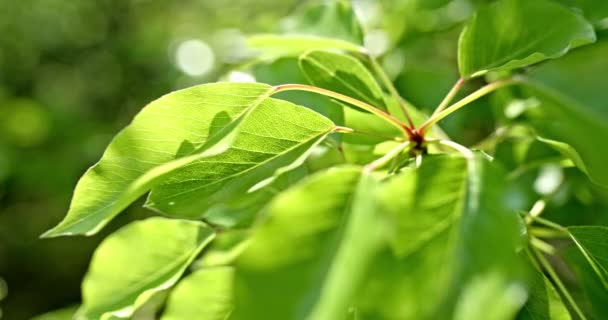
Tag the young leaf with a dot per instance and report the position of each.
(137, 261)
(454, 240)
(328, 231)
(206, 294)
(343, 74)
(510, 34)
(275, 137)
(593, 244)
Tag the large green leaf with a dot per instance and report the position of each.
(206, 294)
(328, 230)
(342, 73)
(510, 34)
(276, 136)
(145, 151)
(592, 241)
(208, 123)
(544, 302)
(454, 240)
(136, 262)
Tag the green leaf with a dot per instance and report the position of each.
(274, 46)
(61, 314)
(544, 301)
(241, 211)
(594, 10)
(592, 241)
(328, 231)
(332, 19)
(197, 119)
(277, 136)
(565, 120)
(454, 239)
(343, 74)
(567, 151)
(193, 127)
(327, 25)
(510, 34)
(206, 294)
(137, 261)
(580, 76)
(593, 290)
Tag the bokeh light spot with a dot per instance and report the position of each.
(194, 57)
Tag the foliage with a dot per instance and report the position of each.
(297, 212)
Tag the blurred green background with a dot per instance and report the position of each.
(72, 73)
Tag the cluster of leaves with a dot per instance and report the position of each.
(284, 211)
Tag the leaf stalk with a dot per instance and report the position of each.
(407, 132)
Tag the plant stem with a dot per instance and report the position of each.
(341, 129)
(367, 107)
(380, 162)
(466, 152)
(553, 275)
(449, 97)
(391, 88)
(465, 101)
(550, 224)
(541, 245)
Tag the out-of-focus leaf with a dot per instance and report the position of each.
(276, 136)
(543, 302)
(275, 46)
(563, 119)
(331, 19)
(567, 151)
(61, 314)
(593, 290)
(579, 75)
(592, 241)
(510, 34)
(594, 10)
(328, 25)
(328, 231)
(241, 212)
(206, 294)
(198, 120)
(448, 213)
(136, 262)
(343, 74)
